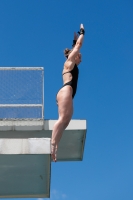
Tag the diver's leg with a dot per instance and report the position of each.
(65, 110)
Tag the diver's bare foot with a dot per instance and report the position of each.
(54, 152)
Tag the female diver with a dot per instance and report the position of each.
(67, 92)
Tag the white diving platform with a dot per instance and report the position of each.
(25, 161)
(71, 146)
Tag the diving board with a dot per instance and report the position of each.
(71, 146)
(25, 161)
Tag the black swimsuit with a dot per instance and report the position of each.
(73, 83)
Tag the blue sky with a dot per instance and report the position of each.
(35, 33)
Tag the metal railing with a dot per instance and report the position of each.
(21, 93)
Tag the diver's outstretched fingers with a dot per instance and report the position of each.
(82, 26)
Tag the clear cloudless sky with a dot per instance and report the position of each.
(35, 33)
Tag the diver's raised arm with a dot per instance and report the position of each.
(78, 44)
